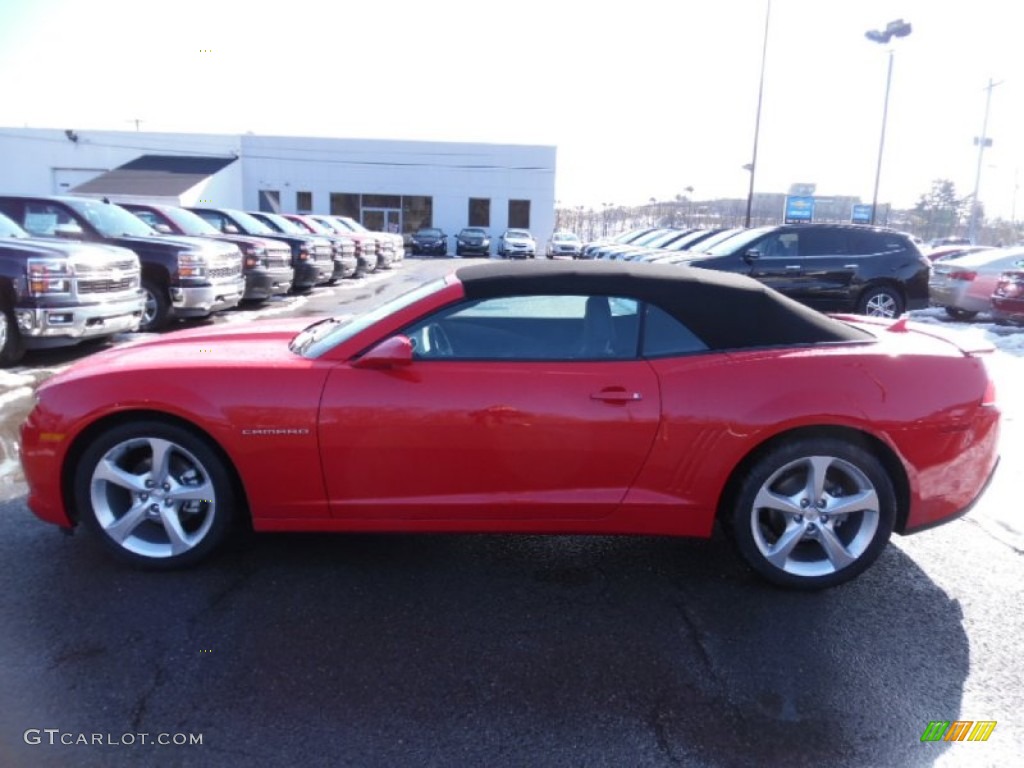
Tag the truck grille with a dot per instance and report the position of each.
(277, 259)
(126, 265)
(107, 286)
(229, 271)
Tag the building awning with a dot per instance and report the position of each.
(155, 176)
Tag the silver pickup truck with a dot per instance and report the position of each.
(56, 294)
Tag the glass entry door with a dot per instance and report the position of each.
(383, 219)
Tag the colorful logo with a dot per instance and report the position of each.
(958, 730)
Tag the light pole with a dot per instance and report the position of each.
(757, 120)
(898, 28)
(984, 141)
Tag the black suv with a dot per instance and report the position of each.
(830, 267)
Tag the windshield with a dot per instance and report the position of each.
(313, 226)
(281, 224)
(352, 224)
(111, 220)
(249, 224)
(471, 232)
(321, 336)
(520, 233)
(188, 222)
(564, 237)
(9, 229)
(737, 242)
(429, 233)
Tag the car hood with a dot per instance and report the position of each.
(235, 345)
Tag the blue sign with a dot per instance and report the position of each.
(861, 214)
(799, 209)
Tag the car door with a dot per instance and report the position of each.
(831, 261)
(778, 263)
(514, 408)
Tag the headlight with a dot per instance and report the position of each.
(254, 255)
(49, 276)
(192, 264)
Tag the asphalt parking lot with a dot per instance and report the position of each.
(444, 650)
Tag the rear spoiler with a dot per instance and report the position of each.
(970, 344)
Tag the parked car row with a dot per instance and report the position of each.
(830, 267)
(73, 268)
(982, 280)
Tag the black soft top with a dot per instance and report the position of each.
(726, 311)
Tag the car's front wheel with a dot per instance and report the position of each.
(156, 313)
(880, 301)
(813, 513)
(12, 346)
(158, 495)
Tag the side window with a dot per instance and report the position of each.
(214, 219)
(149, 217)
(531, 328)
(43, 219)
(785, 245)
(871, 243)
(824, 242)
(665, 336)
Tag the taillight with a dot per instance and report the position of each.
(990, 393)
(963, 274)
(1009, 287)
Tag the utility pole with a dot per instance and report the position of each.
(982, 142)
(757, 120)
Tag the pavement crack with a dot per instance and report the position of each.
(142, 702)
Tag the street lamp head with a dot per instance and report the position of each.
(877, 37)
(898, 28)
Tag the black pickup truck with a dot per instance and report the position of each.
(181, 276)
(58, 294)
(267, 265)
(312, 257)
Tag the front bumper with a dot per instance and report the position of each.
(483, 250)
(202, 300)
(345, 266)
(263, 283)
(49, 327)
(430, 248)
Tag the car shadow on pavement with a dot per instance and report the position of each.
(476, 649)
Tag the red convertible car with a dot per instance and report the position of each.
(565, 397)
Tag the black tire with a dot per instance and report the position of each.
(12, 345)
(960, 314)
(156, 313)
(803, 543)
(458, 253)
(155, 520)
(880, 301)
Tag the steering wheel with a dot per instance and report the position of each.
(438, 340)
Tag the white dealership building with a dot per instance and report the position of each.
(396, 186)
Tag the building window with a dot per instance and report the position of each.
(382, 201)
(479, 212)
(270, 201)
(304, 202)
(345, 204)
(519, 214)
(417, 213)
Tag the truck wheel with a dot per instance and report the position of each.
(12, 346)
(157, 312)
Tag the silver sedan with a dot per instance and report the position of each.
(964, 285)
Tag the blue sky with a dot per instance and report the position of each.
(642, 99)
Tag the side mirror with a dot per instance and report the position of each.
(163, 229)
(230, 229)
(68, 231)
(393, 352)
(752, 254)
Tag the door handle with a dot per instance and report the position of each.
(616, 396)
(850, 266)
(793, 267)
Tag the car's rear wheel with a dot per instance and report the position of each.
(12, 346)
(814, 513)
(158, 495)
(960, 314)
(156, 313)
(880, 301)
